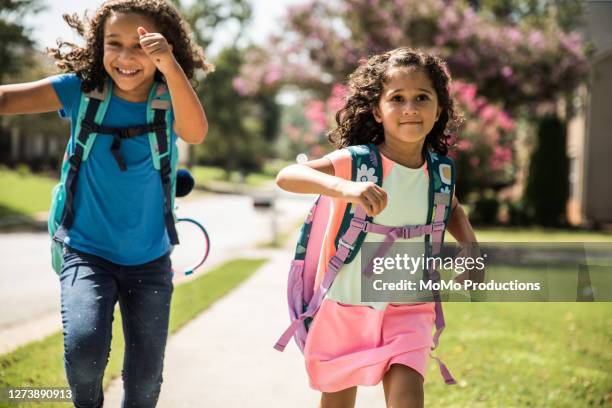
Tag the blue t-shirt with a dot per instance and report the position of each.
(119, 215)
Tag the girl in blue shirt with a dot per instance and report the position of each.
(117, 248)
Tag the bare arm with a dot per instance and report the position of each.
(313, 177)
(29, 97)
(459, 225)
(190, 122)
(460, 228)
(318, 177)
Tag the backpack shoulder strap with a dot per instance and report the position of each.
(165, 158)
(159, 110)
(92, 108)
(366, 166)
(442, 177)
(99, 101)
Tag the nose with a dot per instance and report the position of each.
(410, 108)
(126, 53)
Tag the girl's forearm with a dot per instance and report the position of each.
(459, 226)
(190, 120)
(299, 178)
(31, 97)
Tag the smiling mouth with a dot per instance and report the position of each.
(127, 72)
(411, 123)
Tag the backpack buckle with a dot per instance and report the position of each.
(412, 231)
(427, 229)
(438, 226)
(335, 263)
(359, 223)
(345, 244)
(75, 162)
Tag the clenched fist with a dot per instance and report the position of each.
(157, 49)
(367, 194)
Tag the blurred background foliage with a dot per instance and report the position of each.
(512, 61)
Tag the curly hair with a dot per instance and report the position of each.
(86, 62)
(355, 121)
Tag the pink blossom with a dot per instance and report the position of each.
(505, 122)
(487, 113)
(464, 145)
(337, 99)
(502, 155)
(315, 113)
(273, 75)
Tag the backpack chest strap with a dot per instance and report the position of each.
(403, 232)
(122, 133)
(436, 230)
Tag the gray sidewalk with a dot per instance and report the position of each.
(224, 357)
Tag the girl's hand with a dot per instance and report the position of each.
(367, 194)
(470, 250)
(157, 49)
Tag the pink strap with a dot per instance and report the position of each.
(405, 232)
(335, 263)
(435, 276)
(448, 377)
(437, 233)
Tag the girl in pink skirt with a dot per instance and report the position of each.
(400, 102)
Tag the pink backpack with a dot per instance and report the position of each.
(304, 299)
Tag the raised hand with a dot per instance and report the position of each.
(157, 49)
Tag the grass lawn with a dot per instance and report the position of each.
(24, 193)
(40, 363)
(538, 234)
(524, 355)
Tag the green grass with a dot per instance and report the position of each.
(524, 355)
(24, 193)
(538, 234)
(40, 364)
(206, 174)
(502, 354)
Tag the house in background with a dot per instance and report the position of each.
(590, 131)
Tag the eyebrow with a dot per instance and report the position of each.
(420, 89)
(111, 35)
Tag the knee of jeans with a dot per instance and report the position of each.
(142, 392)
(85, 354)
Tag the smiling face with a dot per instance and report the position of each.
(408, 106)
(124, 60)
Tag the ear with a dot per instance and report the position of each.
(377, 115)
(438, 114)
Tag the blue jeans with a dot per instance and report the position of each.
(91, 286)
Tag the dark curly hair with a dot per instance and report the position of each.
(86, 61)
(356, 123)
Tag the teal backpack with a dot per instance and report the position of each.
(92, 108)
(304, 299)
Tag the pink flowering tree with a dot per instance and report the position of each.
(502, 71)
(510, 64)
(485, 142)
(307, 124)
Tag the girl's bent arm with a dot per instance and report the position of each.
(318, 177)
(29, 97)
(459, 225)
(314, 177)
(190, 120)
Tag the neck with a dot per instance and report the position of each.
(139, 94)
(408, 154)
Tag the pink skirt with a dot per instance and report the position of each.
(356, 345)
